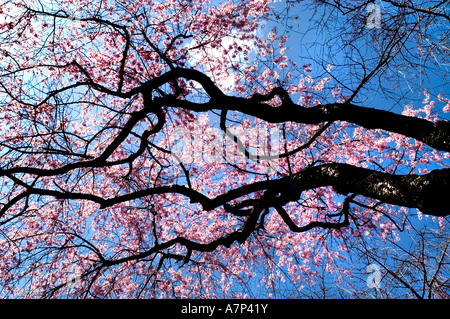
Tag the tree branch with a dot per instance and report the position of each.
(436, 135)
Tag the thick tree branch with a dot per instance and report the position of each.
(427, 192)
(436, 135)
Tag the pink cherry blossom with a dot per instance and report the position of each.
(159, 149)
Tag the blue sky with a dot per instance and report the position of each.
(305, 47)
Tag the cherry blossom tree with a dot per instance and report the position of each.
(156, 149)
